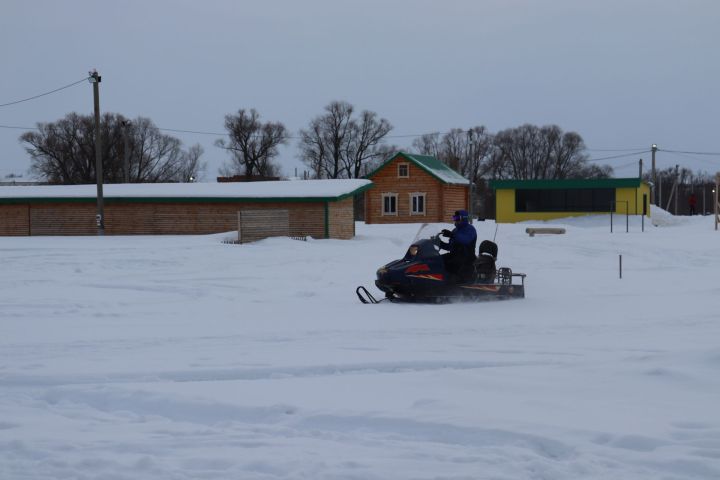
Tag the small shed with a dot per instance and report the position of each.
(315, 208)
(410, 188)
(521, 200)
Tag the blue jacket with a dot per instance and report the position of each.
(462, 243)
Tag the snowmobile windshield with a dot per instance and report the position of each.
(425, 231)
(422, 250)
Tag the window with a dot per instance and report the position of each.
(403, 170)
(570, 200)
(417, 204)
(389, 204)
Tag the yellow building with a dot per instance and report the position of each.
(521, 200)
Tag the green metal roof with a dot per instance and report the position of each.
(431, 165)
(565, 184)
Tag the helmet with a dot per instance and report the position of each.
(460, 215)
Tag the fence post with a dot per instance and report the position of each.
(627, 216)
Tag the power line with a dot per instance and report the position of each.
(684, 155)
(42, 94)
(625, 165)
(293, 137)
(691, 153)
(618, 156)
(18, 128)
(191, 131)
(612, 149)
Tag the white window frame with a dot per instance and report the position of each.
(412, 209)
(382, 206)
(407, 167)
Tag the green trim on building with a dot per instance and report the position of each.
(353, 193)
(428, 163)
(565, 184)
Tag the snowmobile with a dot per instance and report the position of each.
(420, 276)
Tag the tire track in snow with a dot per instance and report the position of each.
(270, 373)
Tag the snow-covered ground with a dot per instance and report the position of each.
(186, 358)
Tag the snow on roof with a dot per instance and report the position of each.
(321, 189)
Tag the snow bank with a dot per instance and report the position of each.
(183, 358)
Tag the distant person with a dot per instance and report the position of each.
(460, 246)
(692, 202)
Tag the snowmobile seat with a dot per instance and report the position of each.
(485, 269)
(488, 248)
(485, 262)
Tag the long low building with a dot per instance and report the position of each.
(522, 200)
(315, 208)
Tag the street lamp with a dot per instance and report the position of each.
(654, 176)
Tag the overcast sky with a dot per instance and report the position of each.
(622, 73)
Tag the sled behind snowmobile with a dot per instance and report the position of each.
(420, 276)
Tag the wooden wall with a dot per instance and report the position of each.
(177, 218)
(455, 197)
(441, 200)
(342, 219)
(14, 220)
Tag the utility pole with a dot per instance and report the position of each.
(715, 200)
(472, 180)
(640, 172)
(677, 187)
(95, 79)
(126, 151)
(654, 175)
(673, 191)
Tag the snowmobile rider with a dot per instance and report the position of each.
(461, 248)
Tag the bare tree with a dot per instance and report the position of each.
(465, 151)
(323, 144)
(480, 146)
(192, 168)
(530, 152)
(252, 144)
(382, 153)
(428, 144)
(365, 142)
(64, 151)
(337, 145)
